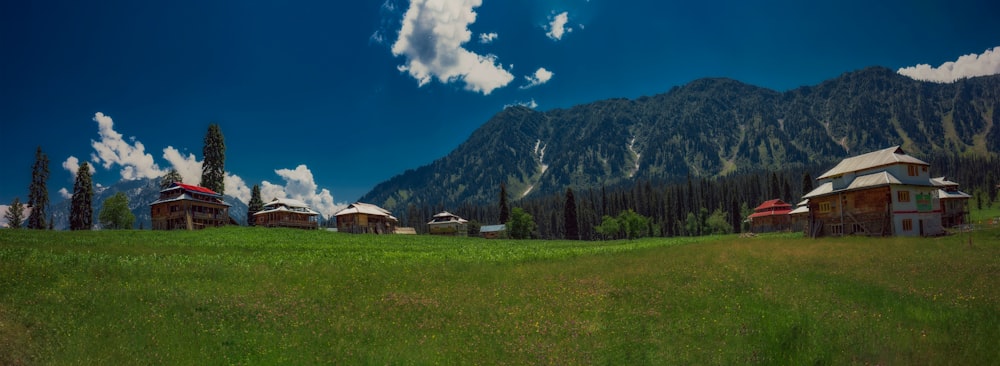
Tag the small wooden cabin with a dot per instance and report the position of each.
(493, 231)
(286, 212)
(188, 207)
(359, 218)
(771, 216)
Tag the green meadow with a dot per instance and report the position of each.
(276, 296)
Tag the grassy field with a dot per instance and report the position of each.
(259, 296)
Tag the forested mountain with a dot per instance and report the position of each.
(708, 128)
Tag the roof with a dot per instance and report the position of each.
(492, 228)
(823, 189)
(892, 155)
(364, 208)
(783, 211)
(800, 210)
(194, 188)
(943, 194)
(772, 204)
(446, 217)
(941, 182)
(873, 180)
(287, 202)
(187, 197)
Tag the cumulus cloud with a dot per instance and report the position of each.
(188, 166)
(541, 76)
(557, 26)
(971, 65)
(65, 193)
(431, 39)
(487, 38)
(300, 185)
(530, 104)
(131, 155)
(72, 164)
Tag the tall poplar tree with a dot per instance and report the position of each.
(569, 215)
(38, 193)
(213, 170)
(255, 205)
(81, 211)
(504, 207)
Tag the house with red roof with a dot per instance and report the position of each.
(771, 216)
(188, 207)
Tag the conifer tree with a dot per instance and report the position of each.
(172, 176)
(38, 194)
(213, 170)
(14, 214)
(81, 213)
(504, 207)
(807, 183)
(255, 205)
(569, 215)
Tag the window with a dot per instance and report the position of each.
(908, 225)
(824, 207)
(903, 196)
(912, 170)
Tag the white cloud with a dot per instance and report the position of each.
(971, 65)
(557, 26)
(299, 185)
(188, 166)
(431, 39)
(487, 38)
(530, 104)
(65, 193)
(72, 164)
(112, 150)
(541, 76)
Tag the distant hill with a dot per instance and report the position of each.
(707, 128)
(140, 194)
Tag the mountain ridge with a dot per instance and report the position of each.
(708, 127)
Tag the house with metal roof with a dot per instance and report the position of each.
(493, 231)
(360, 218)
(287, 212)
(954, 203)
(885, 192)
(770, 216)
(188, 207)
(447, 223)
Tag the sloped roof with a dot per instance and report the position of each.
(942, 182)
(287, 202)
(492, 228)
(943, 194)
(772, 204)
(873, 180)
(365, 208)
(892, 155)
(194, 188)
(823, 189)
(800, 210)
(446, 217)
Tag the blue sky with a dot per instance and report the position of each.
(321, 100)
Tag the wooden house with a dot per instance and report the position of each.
(286, 212)
(885, 192)
(188, 207)
(446, 223)
(360, 218)
(954, 203)
(493, 231)
(771, 216)
(800, 216)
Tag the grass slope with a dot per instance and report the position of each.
(259, 296)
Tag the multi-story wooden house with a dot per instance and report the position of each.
(770, 216)
(885, 192)
(446, 223)
(188, 207)
(954, 203)
(360, 218)
(286, 212)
